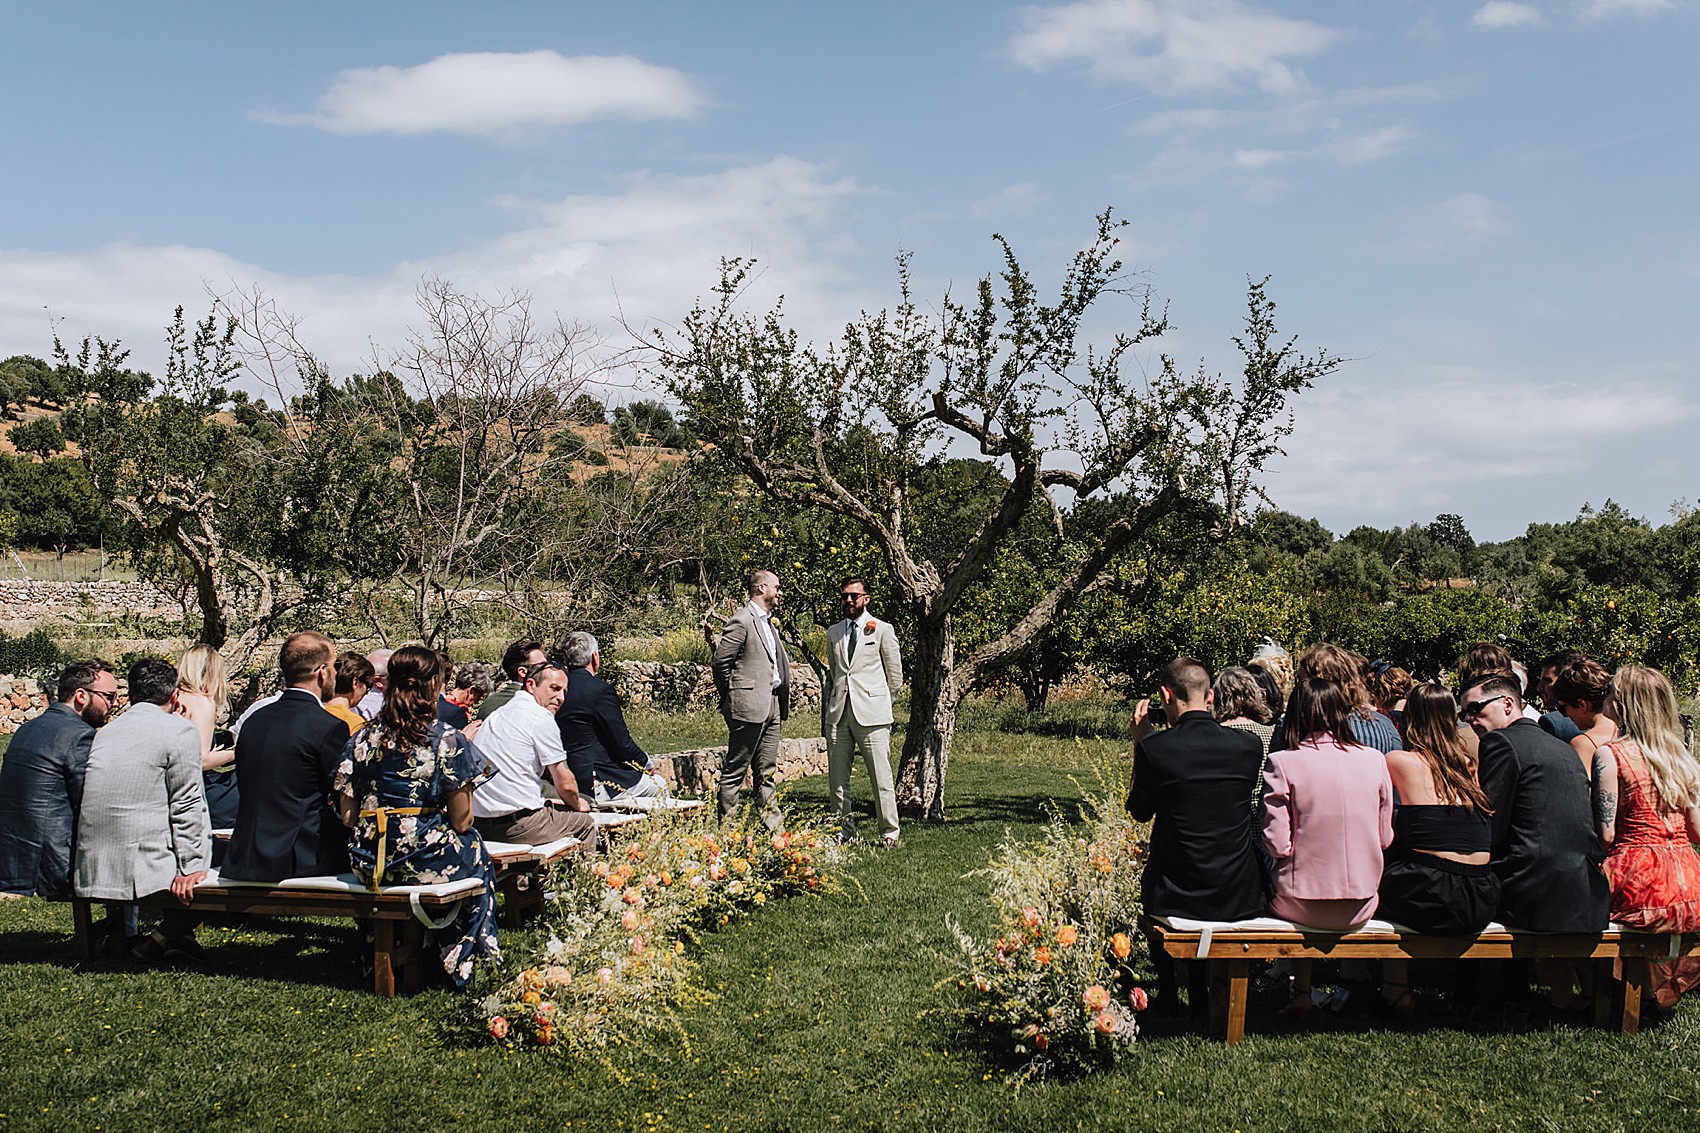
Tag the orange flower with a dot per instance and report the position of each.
(1067, 935)
(1120, 945)
(1096, 997)
(1106, 1023)
(1041, 955)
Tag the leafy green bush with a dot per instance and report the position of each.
(33, 655)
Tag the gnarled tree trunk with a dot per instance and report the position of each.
(934, 697)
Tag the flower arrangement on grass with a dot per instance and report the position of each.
(617, 963)
(1056, 979)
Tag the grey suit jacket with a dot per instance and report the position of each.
(867, 679)
(743, 667)
(144, 818)
(41, 787)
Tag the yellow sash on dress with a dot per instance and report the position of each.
(382, 814)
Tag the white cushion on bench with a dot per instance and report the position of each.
(348, 883)
(607, 818)
(644, 806)
(545, 849)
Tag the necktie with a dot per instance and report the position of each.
(851, 650)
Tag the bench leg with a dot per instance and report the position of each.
(1604, 985)
(82, 917)
(1239, 993)
(1635, 973)
(383, 957)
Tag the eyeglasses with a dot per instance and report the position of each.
(111, 698)
(1476, 708)
(847, 595)
(533, 672)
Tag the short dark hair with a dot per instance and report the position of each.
(353, 668)
(152, 681)
(1318, 705)
(1493, 684)
(516, 654)
(1485, 657)
(80, 674)
(477, 676)
(1188, 678)
(858, 580)
(303, 652)
(1560, 659)
(1582, 682)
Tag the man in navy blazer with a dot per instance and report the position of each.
(285, 757)
(41, 782)
(593, 729)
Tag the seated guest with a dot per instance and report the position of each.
(523, 744)
(1437, 877)
(1193, 782)
(1349, 671)
(1553, 719)
(405, 787)
(203, 695)
(473, 681)
(1647, 805)
(519, 658)
(1238, 703)
(354, 677)
(1327, 816)
(1580, 690)
(369, 705)
(1276, 700)
(1545, 848)
(143, 827)
(593, 730)
(41, 783)
(286, 756)
(1388, 686)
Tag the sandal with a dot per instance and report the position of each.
(1399, 1004)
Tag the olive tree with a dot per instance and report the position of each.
(1008, 378)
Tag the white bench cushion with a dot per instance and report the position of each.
(348, 883)
(545, 850)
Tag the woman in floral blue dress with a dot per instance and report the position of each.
(406, 785)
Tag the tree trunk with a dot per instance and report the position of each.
(933, 701)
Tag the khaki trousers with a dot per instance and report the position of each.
(843, 737)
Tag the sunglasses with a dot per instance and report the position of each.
(847, 596)
(1476, 708)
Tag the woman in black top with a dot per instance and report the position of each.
(1437, 878)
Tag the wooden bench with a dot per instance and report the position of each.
(398, 915)
(520, 876)
(1229, 949)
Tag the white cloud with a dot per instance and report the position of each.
(1468, 218)
(1009, 200)
(496, 92)
(647, 252)
(1172, 46)
(1604, 9)
(1497, 14)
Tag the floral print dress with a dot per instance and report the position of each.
(377, 771)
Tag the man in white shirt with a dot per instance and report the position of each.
(523, 742)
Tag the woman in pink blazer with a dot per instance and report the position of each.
(1327, 816)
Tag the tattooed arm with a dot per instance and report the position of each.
(1605, 794)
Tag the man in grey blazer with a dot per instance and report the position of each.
(143, 826)
(41, 783)
(753, 679)
(864, 673)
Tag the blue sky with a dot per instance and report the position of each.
(1489, 207)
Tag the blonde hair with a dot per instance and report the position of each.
(1277, 665)
(1645, 705)
(201, 670)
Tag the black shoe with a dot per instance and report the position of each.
(186, 950)
(149, 949)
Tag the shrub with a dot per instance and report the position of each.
(32, 655)
(1056, 983)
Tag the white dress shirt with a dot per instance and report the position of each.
(766, 624)
(522, 740)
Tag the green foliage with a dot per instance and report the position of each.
(35, 654)
(39, 437)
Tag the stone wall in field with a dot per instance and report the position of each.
(38, 600)
(687, 685)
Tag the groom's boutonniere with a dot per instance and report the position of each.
(868, 628)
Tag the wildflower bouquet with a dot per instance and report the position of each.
(1057, 978)
(616, 965)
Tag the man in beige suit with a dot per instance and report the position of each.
(864, 672)
(754, 681)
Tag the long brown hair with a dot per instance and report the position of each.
(1431, 732)
(1318, 705)
(1341, 667)
(410, 704)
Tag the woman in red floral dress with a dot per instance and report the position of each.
(1647, 804)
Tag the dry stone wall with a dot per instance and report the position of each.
(688, 686)
(38, 600)
(698, 770)
(26, 698)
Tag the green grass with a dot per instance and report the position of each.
(829, 1014)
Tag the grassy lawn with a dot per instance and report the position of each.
(829, 1014)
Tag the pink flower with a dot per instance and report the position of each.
(1030, 917)
(499, 1027)
(1138, 999)
(605, 976)
(629, 920)
(637, 946)
(633, 897)
(1106, 1023)
(696, 881)
(1096, 997)
(600, 869)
